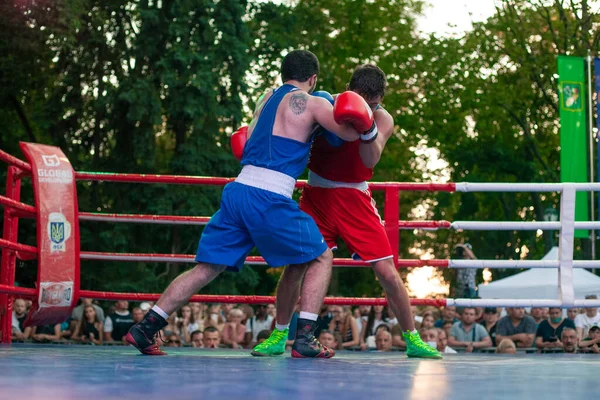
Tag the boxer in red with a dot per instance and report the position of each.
(339, 200)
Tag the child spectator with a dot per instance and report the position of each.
(506, 346)
(585, 321)
(328, 339)
(591, 343)
(262, 335)
(19, 332)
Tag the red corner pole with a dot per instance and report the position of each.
(391, 214)
(9, 257)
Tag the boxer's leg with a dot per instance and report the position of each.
(186, 285)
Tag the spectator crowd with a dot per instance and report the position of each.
(363, 328)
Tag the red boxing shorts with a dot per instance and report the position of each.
(350, 214)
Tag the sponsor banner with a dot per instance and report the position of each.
(573, 132)
(55, 294)
(57, 234)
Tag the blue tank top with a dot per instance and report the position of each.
(277, 153)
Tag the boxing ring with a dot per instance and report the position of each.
(33, 371)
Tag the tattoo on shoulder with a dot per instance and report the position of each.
(298, 103)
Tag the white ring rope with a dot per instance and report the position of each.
(524, 187)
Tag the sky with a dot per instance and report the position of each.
(441, 13)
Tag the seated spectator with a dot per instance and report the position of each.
(172, 327)
(569, 340)
(506, 346)
(585, 321)
(383, 340)
(468, 334)
(137, 314)
(572, 313)
(198, 311)
(77, 313)
(448, 315)
(187, 323)
(344, 323)
(89, 328)
(196, 338)
(328, 339)
(377, 316)
(428, 321)
(397, 338)
(549, 331)
(215, 318)
(259, 322)
(392, 320)
(447, 327)
(19, 314)
(45, 333)
(361, 320)
(117, 324)
(442, 342)
(325, 317)
(145, 306)
(429, 336)
(490, 318)
(211, 338)
(591, 343)
(262, 335)
(234, 332)
(539, 314)
(516, 326)
(173, 340)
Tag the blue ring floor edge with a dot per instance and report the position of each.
(89, 372)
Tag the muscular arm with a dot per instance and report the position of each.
(322, 112)
(370, 153)
(259, 105)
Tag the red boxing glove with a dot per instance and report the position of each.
(352, 108)
(238, 141)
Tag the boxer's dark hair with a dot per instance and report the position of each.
(299, 65)
(369, 81)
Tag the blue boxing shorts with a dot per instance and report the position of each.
(251, 217)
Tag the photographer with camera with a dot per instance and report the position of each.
(550, 330)
(465, 277)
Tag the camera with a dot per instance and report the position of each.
(460, 251)
(553, 339)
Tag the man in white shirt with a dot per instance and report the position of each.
(260, 321)
(583, 322)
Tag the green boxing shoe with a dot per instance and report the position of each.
(273, 346)
(415, 347)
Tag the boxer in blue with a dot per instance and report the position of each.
(257, 210)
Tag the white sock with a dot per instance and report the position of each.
(281, 327)
(160, 312)
(308, 315)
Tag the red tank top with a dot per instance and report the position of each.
(340, 164)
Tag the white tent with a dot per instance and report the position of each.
(540, 283)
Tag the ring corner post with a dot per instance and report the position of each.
(9, 257)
